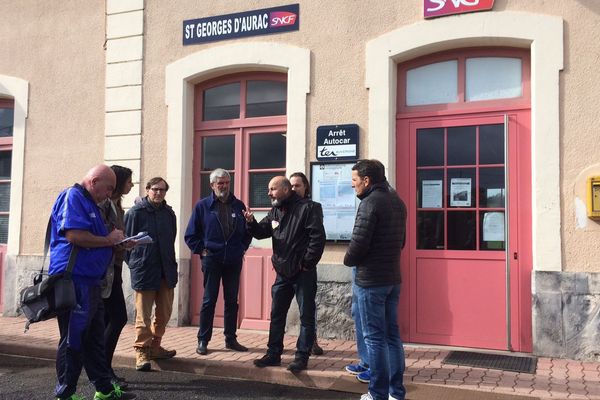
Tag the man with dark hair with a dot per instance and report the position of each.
(377, 240)
(153, 271)
(76, 223)
(295, 226)
(217, 232)
(300, 185)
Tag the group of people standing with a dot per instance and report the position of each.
(89, 216)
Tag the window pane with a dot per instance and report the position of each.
(492, 234)
(266, 98)
(493, 78)
(491, 144)
(218, 152)
(259, 182)
(461, 230)
(205, 188)
(432, 84)
(461, 187)
(430, 184)
(491, 187)
(222, 102)
(430, 230)
(5, 164)
(4, 229)
(6, 122)
(4, 196)
(461, 145)
(267, 150)
(430, 147)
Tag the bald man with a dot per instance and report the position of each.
(77, 224)
(295, 225)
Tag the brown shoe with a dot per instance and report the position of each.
(142, 361)
(160, 353)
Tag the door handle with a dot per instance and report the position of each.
(515, 256)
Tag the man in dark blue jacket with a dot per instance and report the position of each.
(217, 232)
(153, 271)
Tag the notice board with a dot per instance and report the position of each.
(331, 185)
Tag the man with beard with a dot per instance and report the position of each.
(217, 232)
(295, 225)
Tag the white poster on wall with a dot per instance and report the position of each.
(460, 192)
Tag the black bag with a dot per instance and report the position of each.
(50, 295)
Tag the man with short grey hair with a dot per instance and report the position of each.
(217, 232)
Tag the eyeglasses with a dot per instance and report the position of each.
(158, 190)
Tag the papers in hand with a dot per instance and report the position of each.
(140, 238)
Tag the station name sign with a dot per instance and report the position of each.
(438, 8)
(249, 23)
(337, 142)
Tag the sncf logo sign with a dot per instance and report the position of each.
(436, 8)
(281, 18)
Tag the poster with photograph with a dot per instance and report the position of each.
(460, 192)
(432, 194)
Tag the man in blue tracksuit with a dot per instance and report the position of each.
(76, 221)
(217, 232)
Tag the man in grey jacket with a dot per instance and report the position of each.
(377, 240)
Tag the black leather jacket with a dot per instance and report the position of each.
(296, 228)
(378, 237)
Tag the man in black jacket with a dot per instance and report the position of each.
(295, 225)
(377, 239)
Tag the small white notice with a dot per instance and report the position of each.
(460, 192)
(432, 194)
(493, 226)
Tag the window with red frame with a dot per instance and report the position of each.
(241, 127)
(6, 133)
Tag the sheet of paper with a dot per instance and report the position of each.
(432, 194)
(493, 226)
(460, 192)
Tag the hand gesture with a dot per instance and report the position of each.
(249, 215)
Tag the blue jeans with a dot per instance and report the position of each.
(361, 347)
(215, 273)
(378, 307)
(304, 286)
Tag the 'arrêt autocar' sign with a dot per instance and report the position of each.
(437, 8)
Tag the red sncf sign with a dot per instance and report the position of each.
(436, 8)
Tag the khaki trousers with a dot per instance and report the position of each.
(147, 332)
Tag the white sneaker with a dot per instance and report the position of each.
(366, 396)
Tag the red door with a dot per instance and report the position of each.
(459, 288)
(240, 125)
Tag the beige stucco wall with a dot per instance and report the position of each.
(65, 71)
(58, 49)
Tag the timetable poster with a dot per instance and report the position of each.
(332, 187)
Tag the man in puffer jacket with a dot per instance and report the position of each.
(153, 271)
(377, 240)
(295, 225)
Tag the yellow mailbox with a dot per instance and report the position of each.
(593, 197)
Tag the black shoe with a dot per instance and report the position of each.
(268, 360)
(202, 348)
(298, 365)
(316, 349)
(234, 345)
